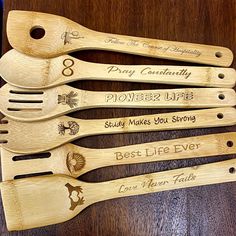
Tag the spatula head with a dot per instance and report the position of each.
(41, 104)
(40, 201)
(25, 71)
(39, 136)
(21, 26)
(68, 159)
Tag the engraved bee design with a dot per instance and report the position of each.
(72, 126)
(68, 35)
(75, 162)
(77, 190)
(68, 99)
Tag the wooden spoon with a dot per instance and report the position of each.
(34, 73)
(61, 35)
(35, 105)
(46, 200)
(25, 137)
(74, 161)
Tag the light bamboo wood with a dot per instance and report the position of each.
(35, 105)
(40, 201)
(25, 137)
(63, 35)
(74, 161)
(34, 73)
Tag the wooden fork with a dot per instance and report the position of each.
(74, 161)
(25, 137)
(36, 105)
(61, 35)
(35, 73)
(45, 200)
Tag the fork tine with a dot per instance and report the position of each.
(3, 136)
(26, 106)
(4, 121)
(3, 130)
(26, 97)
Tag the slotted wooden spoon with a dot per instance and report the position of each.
(74, 161)
(35, 105)
(25, 137)
(45, 200)
(62, 35)
(35, 73)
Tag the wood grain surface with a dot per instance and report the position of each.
(208, 210)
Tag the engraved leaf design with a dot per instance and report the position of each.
(61, 128)
(74, 127)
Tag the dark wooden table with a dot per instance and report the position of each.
(208, 210)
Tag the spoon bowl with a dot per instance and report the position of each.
(61, 36)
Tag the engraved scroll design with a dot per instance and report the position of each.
(74, 192)
(68, 35)
(73, 128)
(75, 162)
(68, 99)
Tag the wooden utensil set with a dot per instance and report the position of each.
(35, 136)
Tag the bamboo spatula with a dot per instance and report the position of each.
(25, 137)
(45, 200)
(74, 161)
(35, 105)
(35, 73)
(62, 35)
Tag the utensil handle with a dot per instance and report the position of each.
(218, 172)
(182, 148)
(181, 51)
(181, 75)
(71, 69)
(204, 118)
(163, 98)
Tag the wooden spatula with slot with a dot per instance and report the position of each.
(35, 105)
(61, 35)
(74, 161)
(45, 200)
(25, 137)
(35, 73)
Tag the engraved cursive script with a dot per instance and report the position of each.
(152, 184)
(155, 47)
(149, 71)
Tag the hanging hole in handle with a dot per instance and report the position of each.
(218, 54)
(37, 32)
(231, 170)
(220, 116)
(221, 76)
(221, 96)
(230, 144)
